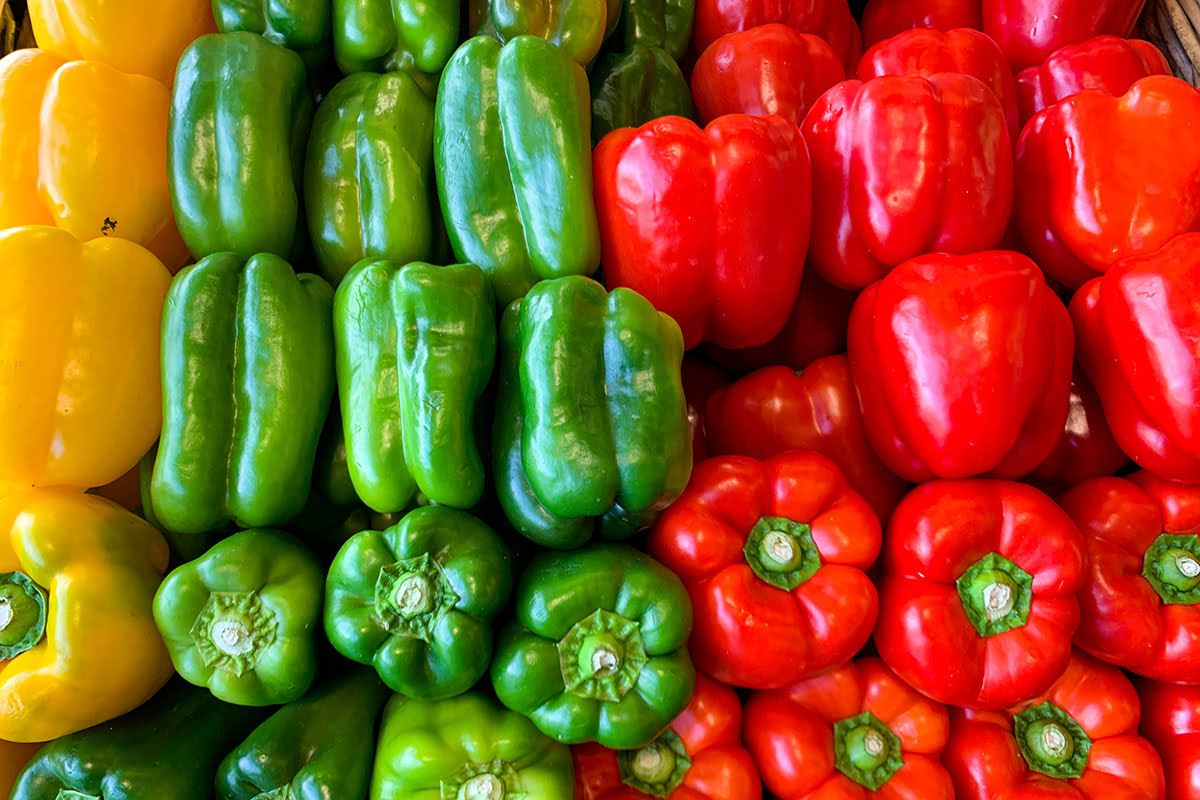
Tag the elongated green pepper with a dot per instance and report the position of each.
(247, 360)
(300, 25)
(512, 151)
(631, 88)
(390, 35)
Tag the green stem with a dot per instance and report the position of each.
(412, 596)
(482, 787)
(995, 594)
(782, 552)
(656, 769)
(866, 751)
(602, 656)
(1172, 566)
(71, 794)
(1051, 742)
(233, 630)
(22, 614)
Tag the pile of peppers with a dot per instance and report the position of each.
(598, 400)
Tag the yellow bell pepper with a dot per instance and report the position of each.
(144, 37)
(87, 570)
(80, 397)
(85, 149)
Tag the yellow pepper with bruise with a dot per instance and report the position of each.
(78, 575)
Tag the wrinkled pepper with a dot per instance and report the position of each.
(300, 25)
(829, 19)
(577, 27)
(390, 35)
(633, 87)
(1171, 722)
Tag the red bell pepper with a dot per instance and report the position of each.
(1078, 741)
(1029, 30)
(923, 52)
(1137, 328)
(1108, 63)
(700, 380)
(904, 166)
(829, 19)
(701, 757)
(775, 409)
(856, 733)
(711, 226)
(977, 594)
(1139, 606)
(773, 554)
(1102, 178)
(1086, 448)
(883, 19)
(770, 69)
(1171, 722)
(963, 366)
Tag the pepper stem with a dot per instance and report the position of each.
(1051, 742)
(1172, 566)
(413, 595)
(281, 793)
(233, 630)
(482, 787)
(866, 751)
(656, 769)
(22, 614)
(995, 595)
(782, 552)
(602, 656)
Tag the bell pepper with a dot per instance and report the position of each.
(603, 433)
(711, 225)
(700, 757)
(390, 35)
(241, 618)
(883, 19)
(300, 25)
(904, 166)
(633, 87)
(1171, 722)
(1086, 448)
(596, 651)
(774, 555)
(577, 27)
(700, 380)
(143, 37)
(1136, 328)
(1080, 210)
(1030, 30)
(924, 52)
(1108, 63)
(829, 19)
(1139, 604)
(856, 732)
(368, 175)
(79, 388)
(465, 747)
(169, 747)
(977, 595)
(239, 196)
(415, 346)
(78, 643)
(247, 371)
(769, 69)
(87, 152)
(417, 600)
(512, 155)
(963, 366)
(320, 746)
(1077, 741)
(775, 409)
(665, 24)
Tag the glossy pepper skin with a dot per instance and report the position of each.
(666, 24)
(1136, 326)
(858, 732)
(417, 600)
(169, 747)
(709, 225)
(700, 757)
(465, 746)
(1171, 722)
(769, 69)
(774, 555)
(829, 19)
(1139, 602)
(597, 649)
(88, 153)
(512, 154)
(80, 401)
(601, 435)
(239, 192)
(319, 746)
(1079, 209)
(883, 19)
(247, 365)
(241, 618)
(634, 87)
(143, 37)
(80, 647)
(977, 595)
(1077, 740)
(963, 366)
(1029, 30)
(904, 166)
(299, 25)
(576, 27)
(391, 35)
(1086, 449)
(415, 346)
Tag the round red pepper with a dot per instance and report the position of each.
(1086, 448)
(773, 554)
(1171, 722)
(829, 19)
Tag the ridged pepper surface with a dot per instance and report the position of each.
(577, 27)
(300, 25)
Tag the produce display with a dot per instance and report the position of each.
(599, 400)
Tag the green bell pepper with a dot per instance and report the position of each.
(240, 113)
(390, 35)
(320, 746)
(241, 618)
(415, 349)
(577, 27)
(300, 25)
(666, 24)
(630, 89)
(513, 158)
(247, 367)
(597, 650)
(466, 748)
(417, 600)
(167, 748)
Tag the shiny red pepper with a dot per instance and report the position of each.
(829, 19)
(1029, 30)
(1086, 448)
(883, 19)
(1171, 722)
